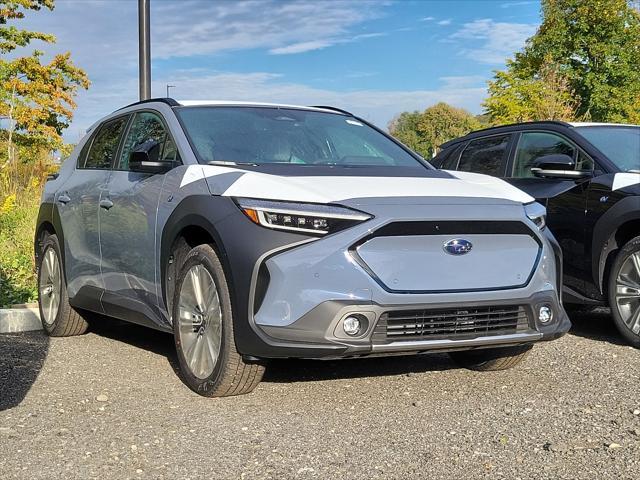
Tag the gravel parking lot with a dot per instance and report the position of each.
(109, 405)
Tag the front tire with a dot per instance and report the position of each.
(491, 359)
(203, 329)
(59, 318)
(624, 291)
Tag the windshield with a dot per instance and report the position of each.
(269, 135)
(621, 145)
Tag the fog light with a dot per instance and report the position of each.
(351, 325)
(545, 314)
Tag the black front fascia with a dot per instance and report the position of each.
(400, 229)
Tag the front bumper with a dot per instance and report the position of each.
(300, 295)
(319, 334)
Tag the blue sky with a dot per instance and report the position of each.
(375, 58)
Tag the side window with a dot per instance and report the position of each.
(148, 133)
(82, 156)
(486, 155)
(105, 144)
(534, 145)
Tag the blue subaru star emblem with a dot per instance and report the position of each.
(457, 246)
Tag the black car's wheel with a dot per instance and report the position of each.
(490, 359)
(624, 291)
(203, 329)
(59, 319)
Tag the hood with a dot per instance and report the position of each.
(313, 188)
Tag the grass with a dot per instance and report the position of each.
(20, 189)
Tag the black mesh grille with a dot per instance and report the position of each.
(450, 323)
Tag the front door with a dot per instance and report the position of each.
(128, 221)
(565, 199)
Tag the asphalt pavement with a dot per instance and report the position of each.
(109, 405)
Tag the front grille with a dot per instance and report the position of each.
(450, 323)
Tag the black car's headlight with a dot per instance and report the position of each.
(537, 214)
(308, 218)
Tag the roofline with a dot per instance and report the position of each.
(192, 103)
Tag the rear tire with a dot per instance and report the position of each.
(203, 329)
(491, 359)
(624, 291)
(59, 318)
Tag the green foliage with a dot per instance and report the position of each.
(425, 131)
(37, 97)
(19, 202)
(546, 96)
(591, 52)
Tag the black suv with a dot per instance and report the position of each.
(588, 176)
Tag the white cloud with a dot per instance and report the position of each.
(281, 27)
(494, 41)
(427, 19)
(445, 22)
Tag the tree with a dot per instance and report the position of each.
(546, 96)
(589, 52)
(36, 98)
(425, 131)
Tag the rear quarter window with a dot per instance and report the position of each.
(486, 155)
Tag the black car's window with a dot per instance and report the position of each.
(105, 144)
(533, 145)
(486, 155)
(621, 145)
(446, 159)
(148, 133)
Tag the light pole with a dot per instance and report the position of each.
(144, 49)
(168, 87)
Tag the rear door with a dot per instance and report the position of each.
(128, 220)
(77, 202)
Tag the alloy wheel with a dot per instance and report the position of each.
(200, 321)
(50, 286)
(627, 293)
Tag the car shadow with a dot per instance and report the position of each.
(596, 325)
(22, 356)
(145, 338)
(295, 370)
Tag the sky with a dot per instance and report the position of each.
(374, 58)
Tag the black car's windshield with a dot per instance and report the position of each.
(620, 144)
(269, 135)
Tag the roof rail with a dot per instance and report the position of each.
(339, 110)
(169, 101)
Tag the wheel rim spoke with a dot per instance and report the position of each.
(199, 320)
(627, 293)
(50, 286)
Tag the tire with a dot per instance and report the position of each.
(491, 359)
(59, 319)
(624, 291)
(202, 316)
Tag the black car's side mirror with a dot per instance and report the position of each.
(144, 159)
(558, 165)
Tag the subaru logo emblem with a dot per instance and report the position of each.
(457, 246)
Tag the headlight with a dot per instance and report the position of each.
(312, 218)
(537, 214)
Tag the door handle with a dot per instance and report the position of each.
(106, 204)
(64, 198)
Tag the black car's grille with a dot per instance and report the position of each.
(450, 323)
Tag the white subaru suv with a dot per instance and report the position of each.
(255, 231)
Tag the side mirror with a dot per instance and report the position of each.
(558, 165)
(144, 159)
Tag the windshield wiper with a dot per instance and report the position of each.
(230, 163)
